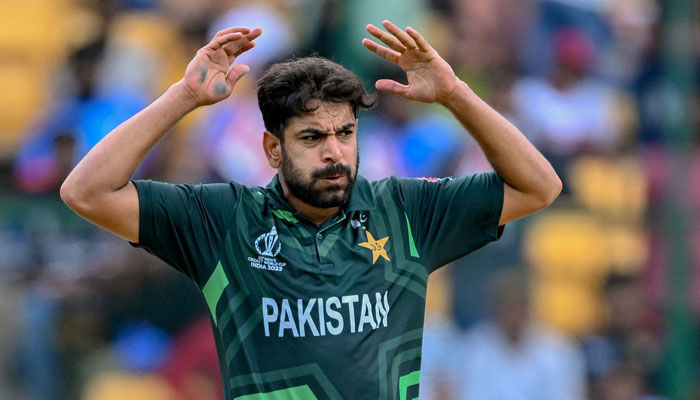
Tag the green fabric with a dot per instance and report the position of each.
(411, 242)
(214, 288)
(286, 215)
(294, 304)
(295, 393)
(408, 380)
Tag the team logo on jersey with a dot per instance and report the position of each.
(268, 246)
(269, 243)
(377, 247)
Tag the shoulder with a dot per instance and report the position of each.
(207, 195)
(434, 183)
(395, 188)
(393, 183)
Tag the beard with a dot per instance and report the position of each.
(308, 191)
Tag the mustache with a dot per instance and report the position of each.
(332, 170)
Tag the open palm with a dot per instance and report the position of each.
(430, 78)
(211, 75)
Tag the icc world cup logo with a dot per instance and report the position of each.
(270, 242)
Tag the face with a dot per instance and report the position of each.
(319, 156)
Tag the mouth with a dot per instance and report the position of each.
(334, 179)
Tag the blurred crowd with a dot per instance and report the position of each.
(570, 304)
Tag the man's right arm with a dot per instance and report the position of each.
(99, 188)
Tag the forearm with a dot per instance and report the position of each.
(512, 156)
(113, 161)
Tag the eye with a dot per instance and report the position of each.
(310, 138)
(347, 132)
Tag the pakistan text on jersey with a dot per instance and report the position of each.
(319, 316)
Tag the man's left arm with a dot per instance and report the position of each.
(530, 181)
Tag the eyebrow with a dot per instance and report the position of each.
(317, 131)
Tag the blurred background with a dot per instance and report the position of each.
(598, 297)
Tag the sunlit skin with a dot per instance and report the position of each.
(312, 142)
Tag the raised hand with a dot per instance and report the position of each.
(430, 78)
(211, 75)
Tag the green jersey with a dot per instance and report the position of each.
(307, 312)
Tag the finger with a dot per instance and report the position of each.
(232, 53)
(401, 35)
(420, 41)
(236, 48)
(252, 35)
(245, 48)
(241, 29)
(389, 40)
(389, 86)
(236, 73)
(221, 41)
(381, 51)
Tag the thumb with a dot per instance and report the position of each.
(389, 86)
(236, 73)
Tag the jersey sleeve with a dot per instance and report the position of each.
(450, 217)
(185, 225)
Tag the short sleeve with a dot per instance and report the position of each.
(185, 225)
(452, 217)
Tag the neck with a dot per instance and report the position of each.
(314, 214)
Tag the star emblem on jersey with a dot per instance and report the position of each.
(377, 247)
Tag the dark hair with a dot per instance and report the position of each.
(286, 89)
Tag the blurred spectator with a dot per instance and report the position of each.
(192, 366)
(476, 269)
(225, 143)
(624, 383)
(632, 24)
(551, 16)
(73, 124)
(624, 340)
(405, 139)
(486, 36)
(569, 113)
(510, 356)
(651, 91)
(140, 351)
(440, 336)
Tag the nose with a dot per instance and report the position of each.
(331, 149)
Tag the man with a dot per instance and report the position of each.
(316, 283)
(510, 355)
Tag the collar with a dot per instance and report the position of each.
(362, 198)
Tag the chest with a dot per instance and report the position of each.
(351, 270)
(348, 253)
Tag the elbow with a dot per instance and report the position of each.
(546, 194)
(70, 195)
(552, 191)
(66, 192)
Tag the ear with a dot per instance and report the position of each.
(273, 149)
